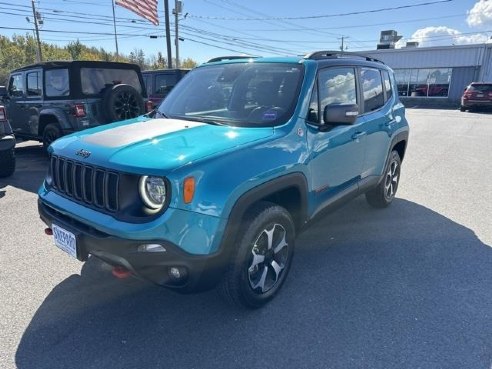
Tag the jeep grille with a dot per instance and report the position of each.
(90, 185)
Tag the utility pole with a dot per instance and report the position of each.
(176, 12)
(168, 35)
(35, 15)
(115, 35)
(342, 47)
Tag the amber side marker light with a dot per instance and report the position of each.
(188, 189)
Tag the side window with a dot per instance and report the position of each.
(164, 83)
(372, 88)
(313, 111)
(147, 82)
(33, 85)
(387, 85)
(16, 87)
(336, 86)
(56, 82)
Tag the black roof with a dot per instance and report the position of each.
(79, 63)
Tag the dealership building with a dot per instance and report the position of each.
(436, 75)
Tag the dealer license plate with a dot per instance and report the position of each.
(65, 240)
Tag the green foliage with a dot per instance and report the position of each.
(21, 50)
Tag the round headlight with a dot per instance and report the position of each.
(153, 191)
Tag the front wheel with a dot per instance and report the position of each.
(382, 195)
(50, 134)
(259, 266)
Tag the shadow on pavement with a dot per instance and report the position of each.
(31, 166)
(400, 288)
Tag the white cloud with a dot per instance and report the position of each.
(481, 14)
(443, 36)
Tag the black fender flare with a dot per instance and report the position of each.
(296, 180)
(60, 116)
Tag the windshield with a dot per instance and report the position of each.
(239, 94)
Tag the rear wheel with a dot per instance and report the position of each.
(7, 163)
(265, 248)
(462, 108)
(51, 133)
(385, 192)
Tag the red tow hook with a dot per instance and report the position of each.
(121, 272)
(48, 231)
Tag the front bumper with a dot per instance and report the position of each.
(198, 272)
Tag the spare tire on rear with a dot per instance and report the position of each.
(122, 102)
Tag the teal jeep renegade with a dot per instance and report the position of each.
(212, 187)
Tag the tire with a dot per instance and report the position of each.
(122, 102)
(384, 193)
(7, 163)
(261, 263)
(462, 108)
(51, 133)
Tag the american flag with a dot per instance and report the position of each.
(145, 8)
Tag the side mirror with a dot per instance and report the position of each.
(343, 114)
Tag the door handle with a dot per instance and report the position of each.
(357, 135)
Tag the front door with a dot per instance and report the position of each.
(15, 103)
(337, 153)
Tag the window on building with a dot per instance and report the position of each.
(428, 82)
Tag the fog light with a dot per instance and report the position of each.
(174, 273)
(151, 247)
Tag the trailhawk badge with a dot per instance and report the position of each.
(84, 153)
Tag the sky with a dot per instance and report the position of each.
(210, 28)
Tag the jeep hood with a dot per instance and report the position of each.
(152, 145)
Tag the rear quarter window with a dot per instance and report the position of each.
(95, 80)
(372, 88)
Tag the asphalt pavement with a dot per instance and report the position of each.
(404, 287)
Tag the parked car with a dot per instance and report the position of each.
(7, 144)
(48, 100)
(212, 187)
(477, 95)
(160, 82)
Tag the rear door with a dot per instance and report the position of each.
(378, 118)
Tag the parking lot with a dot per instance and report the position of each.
(404, 287)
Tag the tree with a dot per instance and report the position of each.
(188, 63)
(75, 49)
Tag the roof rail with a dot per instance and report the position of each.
(327, 54)
(231, 57)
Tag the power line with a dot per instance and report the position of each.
(324, 15)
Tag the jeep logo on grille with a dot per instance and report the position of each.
(84, 153)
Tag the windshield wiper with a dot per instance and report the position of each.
(201, 120)
(159, 114)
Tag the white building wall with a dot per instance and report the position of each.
(437, 57)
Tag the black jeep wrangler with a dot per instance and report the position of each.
(48, 100)
(7, 143)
